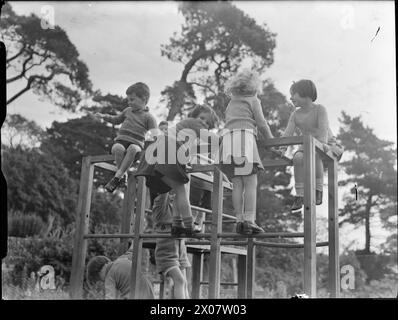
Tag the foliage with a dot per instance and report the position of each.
(275, 265)
(24, 225)
(376, 266)
(214, 41)
(70, 141)
(28, 255)
(38, 183)
(105, 208)
(45, 58)
(372, 169)
(19, 131)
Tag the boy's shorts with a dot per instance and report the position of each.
(170, 253)
(126, 144)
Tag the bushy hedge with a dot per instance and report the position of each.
(27, 255)
(24, 225)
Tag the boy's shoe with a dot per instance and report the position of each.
(247, 227)
(297, 203)
(318, 196)
(113, 184)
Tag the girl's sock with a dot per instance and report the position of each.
(249, 216)
(319, 185)
(177, 221)
(188, 221)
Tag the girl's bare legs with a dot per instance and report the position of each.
(237, 197)
(250, 197)
(298, 163)
(319, 173)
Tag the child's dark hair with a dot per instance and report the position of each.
(94, 268)
(305, 89)
(140, 89)
(163, 123)
(204, 109)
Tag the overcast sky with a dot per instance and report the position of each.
(328, 42)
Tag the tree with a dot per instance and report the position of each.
(44, 59)
(19, 131)
(214, 41)
(70, 141)
(372, 167)
(38, 183)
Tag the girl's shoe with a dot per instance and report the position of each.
(318, 196)
(239, 227)
(297, 203)
(247, 227)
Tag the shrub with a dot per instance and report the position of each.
(24, 225)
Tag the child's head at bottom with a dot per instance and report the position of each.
(95, 267)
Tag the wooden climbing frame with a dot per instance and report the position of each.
(216, 241)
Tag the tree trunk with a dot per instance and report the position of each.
(367, 224)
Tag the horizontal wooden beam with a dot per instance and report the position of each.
(203, 246)
(275, 163)
(195, 208)
(329, 156)
(201, 235)
(106, 166)
(285, 141)
(102, 158)
(286, 245)
(221, 283)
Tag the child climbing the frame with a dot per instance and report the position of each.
(170, 254)
(136, 121)
(239, 156)
(308, 118)
(171, 172)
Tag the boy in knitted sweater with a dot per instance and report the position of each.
(136, 121)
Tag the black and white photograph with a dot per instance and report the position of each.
(221, 150)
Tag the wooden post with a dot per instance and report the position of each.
(242, 283)
(309, 218)
(216, 228)
(251, 266)
(82, 222)
(127, 210)
(137, 244)
(334, 265)
(197, 268)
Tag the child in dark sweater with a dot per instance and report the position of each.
(170, 172)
